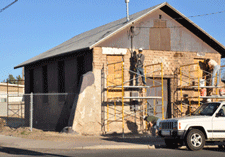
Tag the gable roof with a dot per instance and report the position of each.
(89, 39)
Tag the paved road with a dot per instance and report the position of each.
(98, 146)
(160, 152)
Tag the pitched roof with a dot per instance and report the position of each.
(89, 39)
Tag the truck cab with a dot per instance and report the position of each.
(205, 124)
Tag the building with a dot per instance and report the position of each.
(11, 97)
(78, 65)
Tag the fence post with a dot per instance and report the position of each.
(31, 111)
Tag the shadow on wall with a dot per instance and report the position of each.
(67, 114)
(86, 80)
(132, 127)
(132, 67)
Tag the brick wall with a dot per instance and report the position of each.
(171, 63)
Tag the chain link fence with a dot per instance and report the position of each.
(47, 111)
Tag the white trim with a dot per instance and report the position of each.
(114, 51)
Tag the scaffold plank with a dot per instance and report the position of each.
(128, 87)
(207, 86)
(213, 97)
(149, 97)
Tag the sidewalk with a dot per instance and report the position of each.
(84, 142)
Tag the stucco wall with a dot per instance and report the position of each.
(87, 117)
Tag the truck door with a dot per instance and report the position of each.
(218, 124)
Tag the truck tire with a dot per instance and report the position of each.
(195, 140)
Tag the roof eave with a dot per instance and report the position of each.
(25, 64)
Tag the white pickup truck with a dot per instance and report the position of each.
(207, 123)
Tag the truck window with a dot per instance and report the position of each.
(223, 110)
(207, 109)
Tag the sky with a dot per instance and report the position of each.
(31, 27)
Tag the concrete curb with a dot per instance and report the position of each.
(117, 147)
(94, 147)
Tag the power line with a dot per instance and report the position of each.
(8, 6)
(219, 12)
(180, 18)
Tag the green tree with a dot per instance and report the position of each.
(11, 79)
(19, 79)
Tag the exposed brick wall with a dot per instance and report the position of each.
(171, 62)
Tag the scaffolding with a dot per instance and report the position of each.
(120, 93)
(15, 102)
(194, 79)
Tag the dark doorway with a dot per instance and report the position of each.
(157, 103)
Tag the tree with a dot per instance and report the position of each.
(11, 79)
(19, 79)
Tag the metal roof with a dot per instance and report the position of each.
(89, 39)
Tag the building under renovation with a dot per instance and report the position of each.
(97, 71)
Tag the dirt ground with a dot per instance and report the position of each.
(24, 132)
(37, 134)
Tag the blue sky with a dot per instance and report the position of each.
(30, 27)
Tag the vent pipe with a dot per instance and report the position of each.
(127, 1)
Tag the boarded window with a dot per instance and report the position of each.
(61, 79)
(159, 36)
(198, 74)
(45, 83)
(114, 77)
(31, 80)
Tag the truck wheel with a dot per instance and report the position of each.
(195, 140)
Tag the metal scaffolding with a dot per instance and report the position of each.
(15, 102)
(191, 78)
(119, 93)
